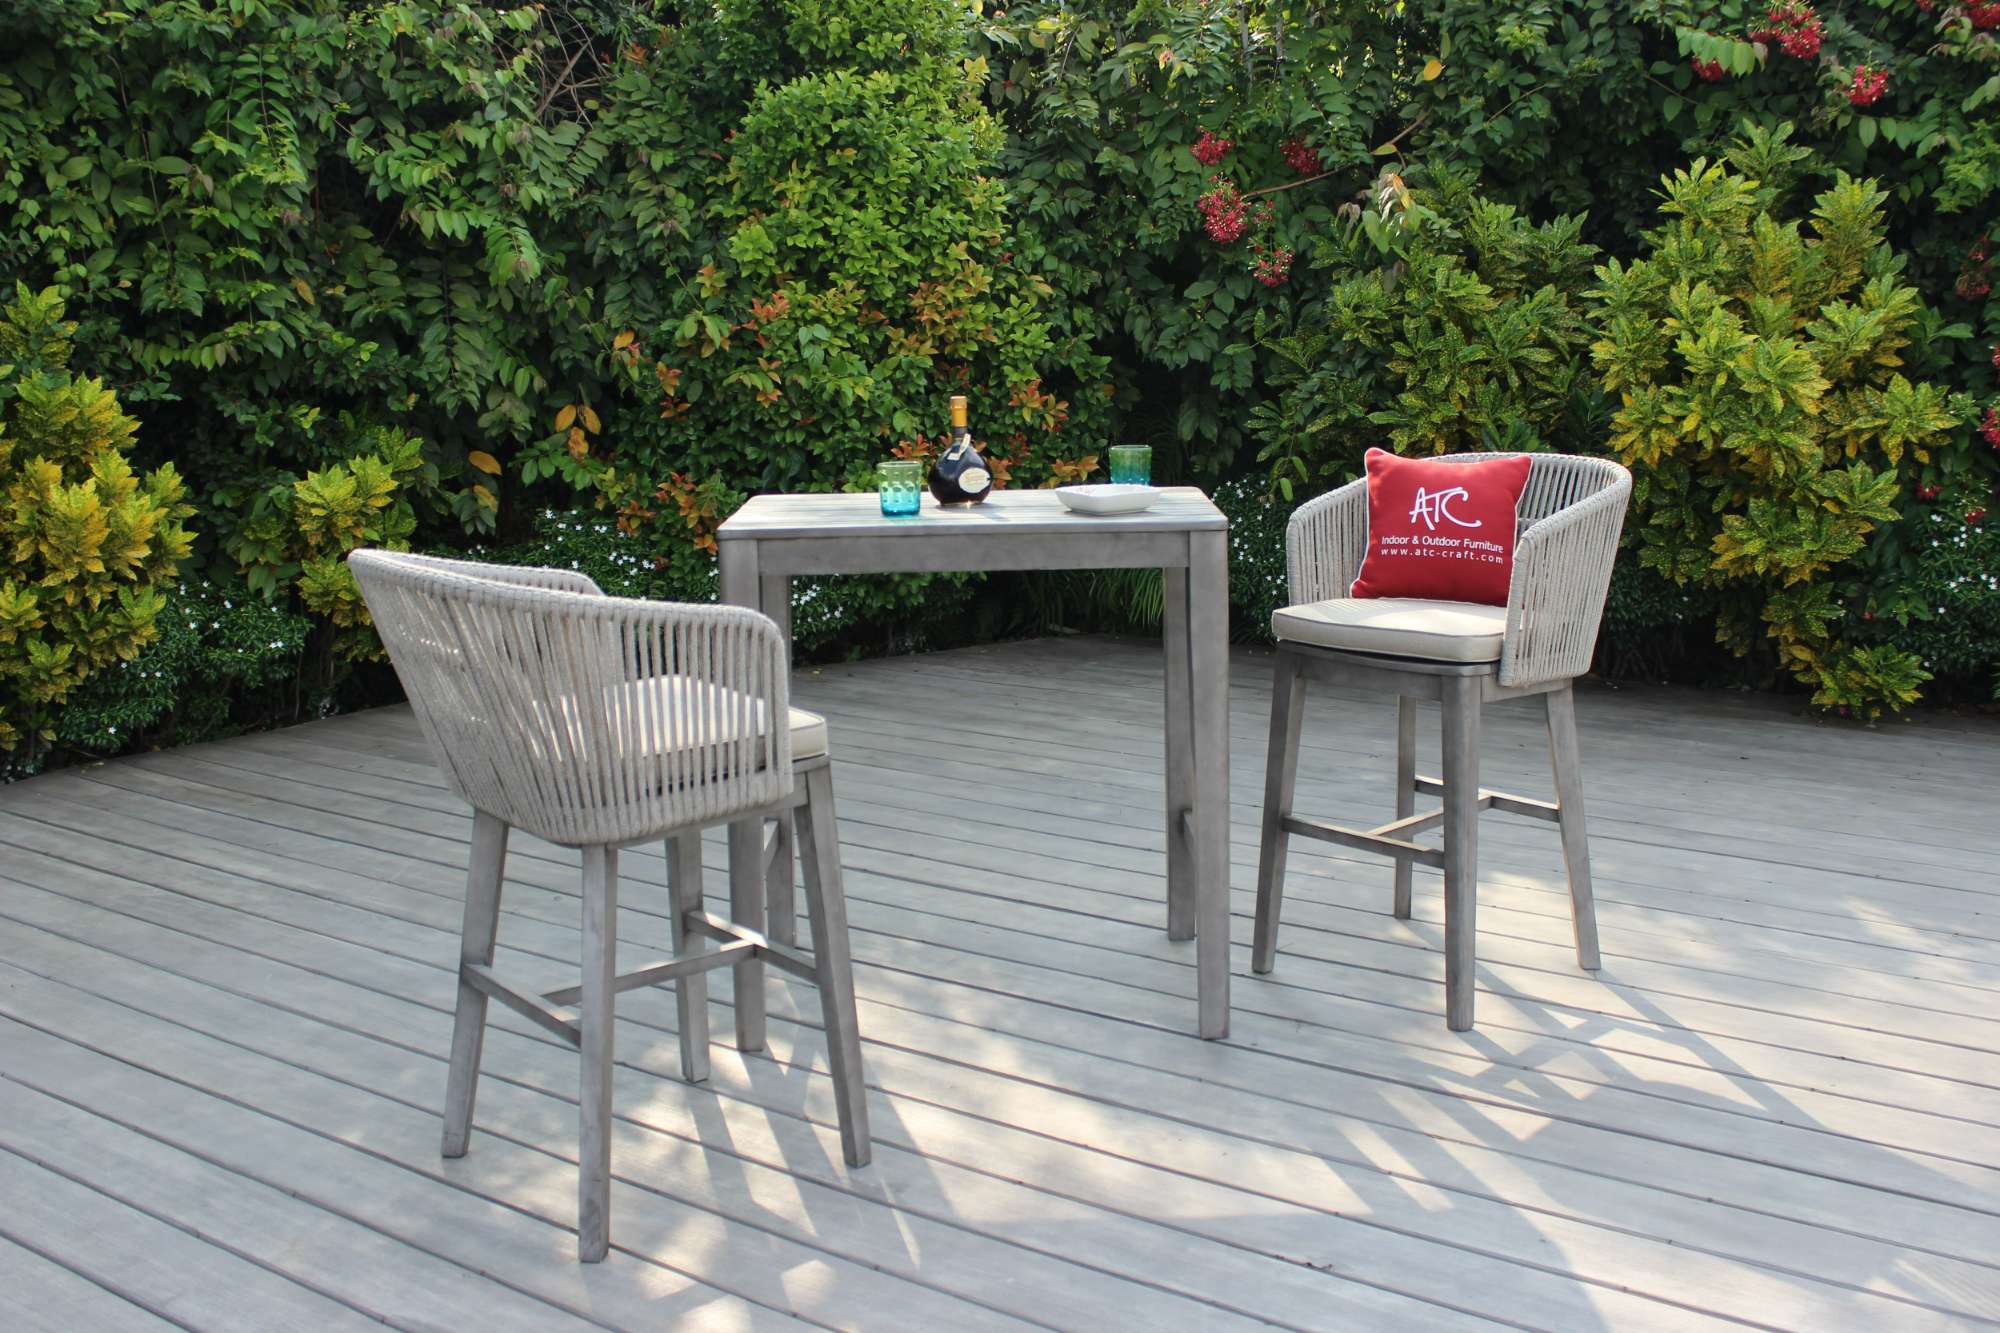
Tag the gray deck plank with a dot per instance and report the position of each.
(1781, 1044)
(1727, 1131)
(1906, 1007)
(1525, 907)
(1777, 1104)
(38, 1295)
(372, 1271)
(1417, 1025)
(781, 1170)
(1790, 1296)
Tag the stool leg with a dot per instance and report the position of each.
(746, 908)
(1568, 765)
(1406, 791)
(480, 932)
(819, 850)
(780, 908)
(1281, 771)
(600, 967)
(1461, 845)
(691, 991)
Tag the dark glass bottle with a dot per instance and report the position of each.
(960, 476)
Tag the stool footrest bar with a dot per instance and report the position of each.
(1367, 840)
(531, 1007)
(1409, 824)
(781, 956)
(667, 969)
(1502, 801)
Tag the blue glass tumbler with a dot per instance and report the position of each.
(1132, 464)
(901, 483)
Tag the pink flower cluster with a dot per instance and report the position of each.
(1869, 85)
(1301, 156)
(1224, 216)
(1209, 149)
(1271, 266)
(1794, 27)
(1708, 71)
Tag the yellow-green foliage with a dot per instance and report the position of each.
(300, 531)
(1763, 409)
(87, 546)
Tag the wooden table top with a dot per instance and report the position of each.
(1014, 513)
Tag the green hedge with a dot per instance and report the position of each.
(423, 271)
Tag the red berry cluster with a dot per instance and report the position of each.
(1975, 279)
(1927, 492)
(1996, 356)
(1990, 427)
(1974, 514)
(1927, 5)
(1794, 27)
(1301, 156)
(1986, 15)
(1209, 149)
(1708, 71)
(1224, 216)
(1869, 85)
(1271, 266)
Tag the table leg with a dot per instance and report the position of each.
(1208, 669)
(780, 911)
(742, 587)
(1180, 758)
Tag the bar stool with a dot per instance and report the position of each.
(600, 722)
(1463, 655)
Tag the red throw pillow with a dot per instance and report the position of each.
(1441, 530)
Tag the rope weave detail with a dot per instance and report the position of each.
(577, 717)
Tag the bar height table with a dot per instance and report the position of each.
(774, 537)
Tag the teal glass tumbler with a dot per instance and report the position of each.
(901, 484)
(1132, 464)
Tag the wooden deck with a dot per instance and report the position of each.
(224, 1008)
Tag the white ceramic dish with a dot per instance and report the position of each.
(1104, 498)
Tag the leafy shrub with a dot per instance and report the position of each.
(1451, 323)
(1764, 410)
(91, 546)
(221, 662)
(292, 544)
(661, 255)
(268, 213)
(822, 179)
(1258, 584)
(1955, 594)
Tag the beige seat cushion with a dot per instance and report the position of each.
(684, 702)
(681, 712)
(1397, 626)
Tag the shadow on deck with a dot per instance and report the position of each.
(226, 980)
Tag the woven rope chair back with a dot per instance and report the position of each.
(577, 717)
(1555, 481)
(1569, 519)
